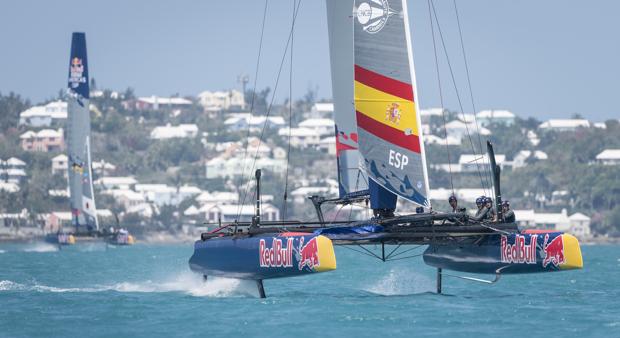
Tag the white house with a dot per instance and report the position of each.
(609, 157)
(450, 140)
(215, 197)
(427, 114)
(115, 182)
(45, 140)
(233, 167)
(243, 121)
(221, 100)
(564, 124)
(60, 165)
(577, 224)
(321, 126)
(487, 117)
(156, 103)
(168, 131)
(232, 212)
(44, 116)
(301, 137)
(521, 158)
(162, 194)
(321, 110)
(459, 129)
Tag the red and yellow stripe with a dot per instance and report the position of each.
(374, 94)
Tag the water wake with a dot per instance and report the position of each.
(41, 247)
(184, 283)
(402, 282)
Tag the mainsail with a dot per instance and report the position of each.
(352, 181)
(388, 122)
(78, 134)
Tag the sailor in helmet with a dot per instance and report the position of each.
(480, 205)
(454, 204)
(490, 213)
(509, 215)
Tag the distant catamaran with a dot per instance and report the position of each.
(81, 192)
(380, 154)
(83, 208)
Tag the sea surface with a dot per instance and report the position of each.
(148, 291)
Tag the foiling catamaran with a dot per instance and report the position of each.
(380, 156)
(81, 192)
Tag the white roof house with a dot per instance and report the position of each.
(9, 187)
(221, 100)
(155, 101)
(14, 162)
(432, 139)
(609, 157)
(234, 166)
(232, 212)
(43, 116)
(521, 158)
(118, 182)
(577, 224)
(486, 117)
(222, 197)
(459, 129)
(564, 124)
(321, 126)
(168, 131)
(301, 137)
(243, 121)
(321, 109)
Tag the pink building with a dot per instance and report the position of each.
(45, 140)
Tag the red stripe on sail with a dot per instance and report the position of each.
(384, 83)
(387, 133)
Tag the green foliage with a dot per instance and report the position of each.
(10, 107)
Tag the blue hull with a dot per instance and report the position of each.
(508, 254)
(263, 257)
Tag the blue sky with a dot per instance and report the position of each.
(545, 59)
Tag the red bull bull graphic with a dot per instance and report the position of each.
(553, 251)
(308, 254)
(519, 252)
(277, 256)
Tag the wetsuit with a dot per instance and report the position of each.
(509, 216)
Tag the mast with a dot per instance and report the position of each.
(351, 180)
(78, 133)
(389, 127)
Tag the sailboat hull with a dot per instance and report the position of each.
(509, 254)
(263, 257)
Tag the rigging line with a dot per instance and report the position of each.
(458, 96)
(247, 135)
(404, 251)
(360, 252)
(471, 92)
(272, 100)
(443, 112)
(406, 257)
(290, 116)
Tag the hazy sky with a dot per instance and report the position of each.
(548, 58)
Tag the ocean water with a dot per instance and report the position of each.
(148, 291)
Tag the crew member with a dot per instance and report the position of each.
(453, 203)
(488, 204)
(509, 215)
(481, 214)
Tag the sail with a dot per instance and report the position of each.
(352, 181)
(78, 135)
(388, 123)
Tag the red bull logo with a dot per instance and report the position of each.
(554, 251)
(519, 252)
(76, 73)
(277, 255)
(308, 254)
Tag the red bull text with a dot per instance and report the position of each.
(554, 251)
(277, 255)
(519, 252)
(309, 254)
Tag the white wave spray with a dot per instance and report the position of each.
(40, 247)
(402, 282)
(187, 283)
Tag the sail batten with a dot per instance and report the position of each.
(390, 139)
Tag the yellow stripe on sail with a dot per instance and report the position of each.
(379, 106)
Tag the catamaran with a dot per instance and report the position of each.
(381, 158)
(81, 192)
